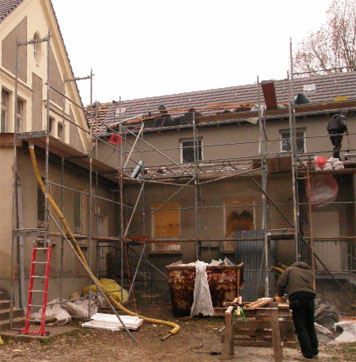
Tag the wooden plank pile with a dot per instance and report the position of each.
(267, 324)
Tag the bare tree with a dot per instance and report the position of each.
(332, 48)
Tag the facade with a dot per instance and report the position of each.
(42, 86)
(210, 204)
(203, 175)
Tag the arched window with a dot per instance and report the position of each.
(37, 47)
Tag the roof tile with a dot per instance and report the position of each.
(7, 7)
(327, 87)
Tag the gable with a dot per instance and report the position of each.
(34, 19)
(8, 58)
(55, 80)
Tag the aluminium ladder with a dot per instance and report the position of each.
(31, 291)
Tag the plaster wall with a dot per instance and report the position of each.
(237, 140)
(6, 187)
(75, 278)
(34, 19)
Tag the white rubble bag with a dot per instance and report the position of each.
(202, 299)
(55, 314)
(79, 308)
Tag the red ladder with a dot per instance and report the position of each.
(26, 330)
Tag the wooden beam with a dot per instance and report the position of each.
(276, 336)
(269, 94)
(228, 344)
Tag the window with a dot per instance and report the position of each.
(60, 130)
(102, 227)
(239, 216)
(40, 206)
(285, 140)
(77, 212)
(187, 150)
(19, 114)
(5, 96)
(166, 225)
(51, 125)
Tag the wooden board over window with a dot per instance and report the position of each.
(166, 225)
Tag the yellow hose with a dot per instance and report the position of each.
(276, 268)
(175, 327)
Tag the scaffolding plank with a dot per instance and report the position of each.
(7, 140)
(79, 158)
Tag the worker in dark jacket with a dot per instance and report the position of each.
(297, 282)
(336, 128)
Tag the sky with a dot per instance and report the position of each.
(145, 48)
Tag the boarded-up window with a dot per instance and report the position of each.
(239, 216)
(78, 212)
(166, 226)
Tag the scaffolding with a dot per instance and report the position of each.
(191, 176)
(125, 251)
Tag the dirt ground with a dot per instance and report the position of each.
(198, 339)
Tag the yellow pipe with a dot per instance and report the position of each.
(280, 270)
(71, 237)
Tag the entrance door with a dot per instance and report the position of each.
(332, 253)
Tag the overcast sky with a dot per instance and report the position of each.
(144, 48)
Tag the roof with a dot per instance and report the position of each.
(318, 89)
(7, 7)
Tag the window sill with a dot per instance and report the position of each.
(164, 252)
(228, 251)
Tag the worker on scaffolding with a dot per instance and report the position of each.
(336, 128)
(297, 282)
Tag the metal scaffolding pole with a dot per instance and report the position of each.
(293, 163)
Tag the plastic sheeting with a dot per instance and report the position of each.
(202, 299)
(111, 287)
(61, 314)
(323, 189)
(55, 314)
(348, 334)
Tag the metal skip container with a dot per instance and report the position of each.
(224, 282)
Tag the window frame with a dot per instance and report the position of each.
(5, 109)
(200, 146)
(227, 205)
(60, 130)
(20, 116)
(284, 131)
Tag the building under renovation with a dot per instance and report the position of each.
(232, 173)
(221, 175)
